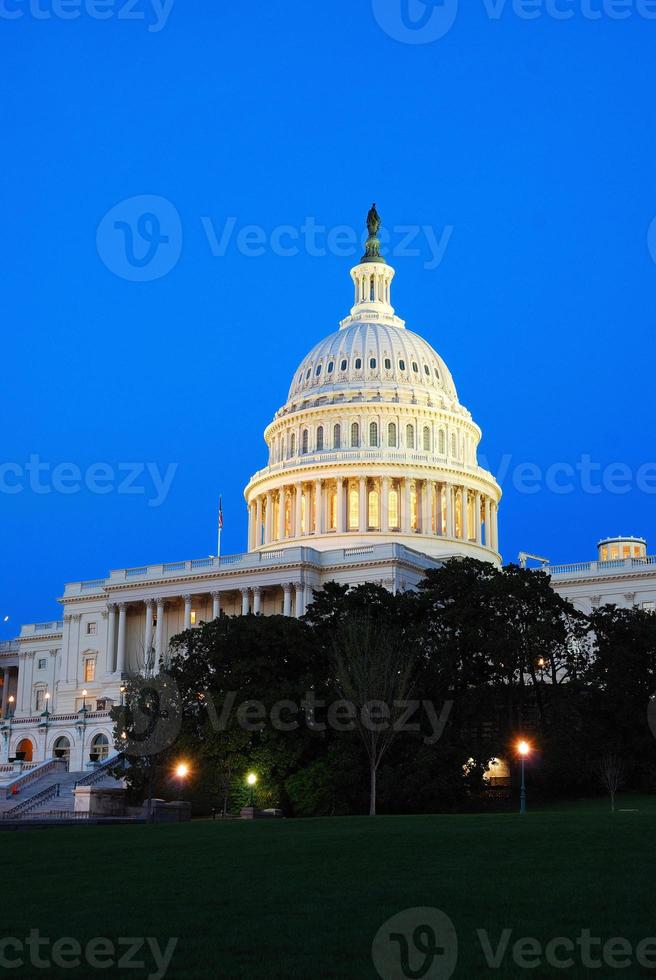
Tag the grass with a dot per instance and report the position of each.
(305, 898)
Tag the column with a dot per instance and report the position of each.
(318, 507)
(287, 599)
(159, 636)
(120, 654)
(362, 506)
(5, 691)
(488, 536)
(281, 514)
(53, 679)
(384, 504)
(340, 505)
(251, 527)
(268, 519)
(495, 527)
(465, 513)
(426, 523)
(299, 599)
(258, 522)
(216, 605)
(244, 602)
(406, 518)
(298, 511)
(448, 490)
(148, 637)
(257, 600)
(111, 638)
(478, 525)
(187, 612)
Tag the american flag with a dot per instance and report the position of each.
(220, 513)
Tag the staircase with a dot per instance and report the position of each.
(52, 793)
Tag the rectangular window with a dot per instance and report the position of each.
(43, 663)
(40, 700)
(89, 670)
(92, 629)
(193, 617)
(353, 510)
(394, 522)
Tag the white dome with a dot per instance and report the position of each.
(373, 355)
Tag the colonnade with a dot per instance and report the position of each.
(364, 504)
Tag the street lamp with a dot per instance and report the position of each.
(524, 749)
(181, 772)
(251, 779)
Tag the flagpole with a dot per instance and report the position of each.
(220, 528)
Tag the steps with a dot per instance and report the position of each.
(51, 802)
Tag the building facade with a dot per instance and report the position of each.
(372, 476)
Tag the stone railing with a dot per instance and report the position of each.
(52, 765)
(580, 569)
(99, 772)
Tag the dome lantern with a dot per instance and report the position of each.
(372, 280)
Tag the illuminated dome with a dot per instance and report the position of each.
(372, 444)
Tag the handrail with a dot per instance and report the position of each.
(26, 805)
(92, 777)
(50, 766)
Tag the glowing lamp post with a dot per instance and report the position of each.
(181, 773)
(251, 779)
(524, 750)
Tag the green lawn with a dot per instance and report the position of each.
(295, 898)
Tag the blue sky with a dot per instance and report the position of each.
(530, 143)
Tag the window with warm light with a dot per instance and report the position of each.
(303, 514)
(394, 520)
(194, 617)
(414, 507)
(353, 509)
(333, 510)
(90, 669)
(374, 510)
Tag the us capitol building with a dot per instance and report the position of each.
(372, 476)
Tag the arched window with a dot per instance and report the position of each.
(442, 443)
(410, 436)
(331, 367)
(305, 441)
(372, 291)
(391, 435)
(320, 439)
(415, 367)
(426, 370)
(318, 370)
(343, 366)
(372, 363)
(292, 445)
(353, 509)
(337, 436)
(373, 434)
(394, 521)
(454, 445)
(355, 435)
(401, 365)
(24, 750)
(427, 439)
(358, 363)
(62, 748)
(99, 747)
(333, 510)
(374, 510)
(388, 364)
